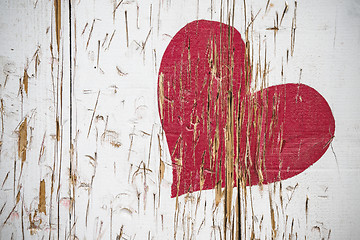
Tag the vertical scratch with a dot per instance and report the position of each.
(22, 220)
(111, 38)
(212, 8)
(22, 141)
(286, 8)
(104, 41)
(150, 14)
(2, 125)
(42, 201)
(94, 110)
(137, 16)
(86, 25)
(158, 25)
(57, 5)
(127, 30)
(26, 81)
(6, 177)
(91, 30)
(306, 208)
(98, 56)
(71, 191)
(293, 29)
(57, 129)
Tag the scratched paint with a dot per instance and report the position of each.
(281, 130)
(84, 150)
(34, 123)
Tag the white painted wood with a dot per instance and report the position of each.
(28, 43)
(115, 190)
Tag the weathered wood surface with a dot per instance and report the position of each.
(83, 154)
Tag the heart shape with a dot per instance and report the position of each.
(216, 129)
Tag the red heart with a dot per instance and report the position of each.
(210, 116)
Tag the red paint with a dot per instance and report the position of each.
(296, 121)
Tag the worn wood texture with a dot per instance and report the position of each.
(83, 154)
(35, 120)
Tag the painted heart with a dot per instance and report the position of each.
(216, 129)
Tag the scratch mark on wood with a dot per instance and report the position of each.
(22, 220)
(127, 30)
(6, 177)
(2, 208)
(150, 14)
(131, 142)
(267, 5)
(92, 118)
(91, 30)
(26, 81)
(57, 129)
(42, 201)
(137, 16)
(306, 208)
(86, 25)
(158, 25)
(119, 236)
(98, 56)
(106, 36)
(57, 5)
(22, 141)
(117, 6)
(286, 8)
(42, 148)
(293, 29)
(111, 38)
(13, 209)
(121, 73)
(18, 197)
(162, 170)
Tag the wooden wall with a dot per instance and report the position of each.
(83, 154)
